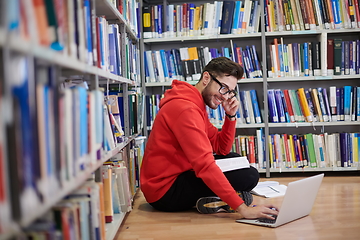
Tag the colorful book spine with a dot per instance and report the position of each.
(245, 106)
(273, 112)
(286, 111)
(341, 96)
(298, 159)
(236, 17)
(310, 104)
(289, 105)
(337, 56)
(315, 99)
(306, 59)
(279, 105)
(255, 103)
(333, 104)
(347, 102)
(304, 105)
(309, 141)
(327, 104)
(358, 104)
(160, 20)
(353, 104)
(325, 114)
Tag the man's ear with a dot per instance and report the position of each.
(206, 78)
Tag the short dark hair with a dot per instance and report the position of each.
(223, 66)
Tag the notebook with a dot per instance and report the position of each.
(297, 203)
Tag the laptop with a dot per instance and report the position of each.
(297, 203)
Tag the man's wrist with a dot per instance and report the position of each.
(241, 208)
(231, 117)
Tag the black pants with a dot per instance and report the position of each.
(188, 188)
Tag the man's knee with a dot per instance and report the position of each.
(254, 176)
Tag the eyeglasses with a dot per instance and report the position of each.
(224, 89)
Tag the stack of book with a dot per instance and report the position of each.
(188, 19)
(327, 150)
(336, 57)
(314, 105)
(300, 15)
(186, 63)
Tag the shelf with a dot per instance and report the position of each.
(312, 78)
(107, 9)
(117, 149)
(160, 84)
(248, 35)
(15, 43)
(289, 33)
(326, 169)
(310, 32)
(69, 186)
(251, 80)
(261, 170)
(197, 38)
(112, 228)
(313, 124)
(347, 31)
(260, 80)
(253, 125)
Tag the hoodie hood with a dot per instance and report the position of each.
(185, 91)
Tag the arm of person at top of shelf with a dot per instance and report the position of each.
(257, 211)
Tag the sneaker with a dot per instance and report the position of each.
(208, 205)
(246, 197)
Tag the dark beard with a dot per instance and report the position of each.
(207, 97)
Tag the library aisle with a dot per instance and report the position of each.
(335, 215)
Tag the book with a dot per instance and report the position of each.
(337, 56)
(274, 117)
(333, 103)
(42, 22)
(347, 102)
(254, 100)
(309, 143)
(227, 13)
(323, 108)
(269, 189)
(109, 213)
(330, 57)
(229, 164)
(304, 105)
(147, 33)
(279, 105)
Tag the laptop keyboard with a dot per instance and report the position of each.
(266, 220)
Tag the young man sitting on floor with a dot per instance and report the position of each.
(178, 170)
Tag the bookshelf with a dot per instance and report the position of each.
(262, 39)
(53, 111)
(112, 228)
(69, 187)
(14, 43)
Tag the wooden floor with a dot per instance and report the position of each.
(336, 215)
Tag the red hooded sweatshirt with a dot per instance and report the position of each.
(183, 139)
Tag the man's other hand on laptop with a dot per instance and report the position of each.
(258, 211)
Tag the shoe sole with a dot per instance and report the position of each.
(208, 205)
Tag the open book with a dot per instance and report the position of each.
(228, 164)
(269, 189)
